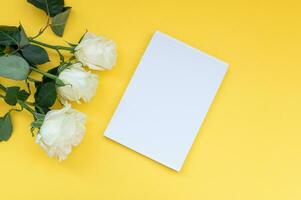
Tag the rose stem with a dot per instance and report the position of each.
(56, 47)
(44, 73)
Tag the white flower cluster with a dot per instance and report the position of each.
(95, 52)
(63, 129)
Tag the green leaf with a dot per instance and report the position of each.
(35, 55)
(59, 83)
(59, 22)
(2, 50)
(6, 127)
(23, 95)
(51, 7)
(23, 40)
(11, 95)
(41, 110)
(45, 95)
(2, 87)
(14, 67)
(9, 35)
(39, 120)
(12, 35)
(53, 71)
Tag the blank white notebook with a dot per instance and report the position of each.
(166, 100)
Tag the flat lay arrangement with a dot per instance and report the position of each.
(150, 100)
(56, 130)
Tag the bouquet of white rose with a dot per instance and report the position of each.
(56, 131)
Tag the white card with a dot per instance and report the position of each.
(166, 100)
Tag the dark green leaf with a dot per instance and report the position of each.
(35, 55)
(42, 110)
(51, 7)
(9, 35)
(53, 71)
(11, 95)
(12, 35)
(59, 22)
(45, 95)
(37, 84)
(14, 67)
(23, 95)
(2, 50)
(6, 127)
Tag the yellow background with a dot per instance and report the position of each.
(249, 146)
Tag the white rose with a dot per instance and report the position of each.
(80, 84)
(96, 52)
(61, 130)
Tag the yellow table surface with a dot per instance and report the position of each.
(249, 146)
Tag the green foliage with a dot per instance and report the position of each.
(51, 7)
(42, 110)
(2, 50)
(34, 54)
(56, 10)
(38, 121)
(13, 94)
(23, 41)
(59, 21)
(6, 127)
(45, 95)
(14, 67)
(12, 35)
(9, 35)
(23, 95)
(53, 71)
(43, 104)
(19, 57)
